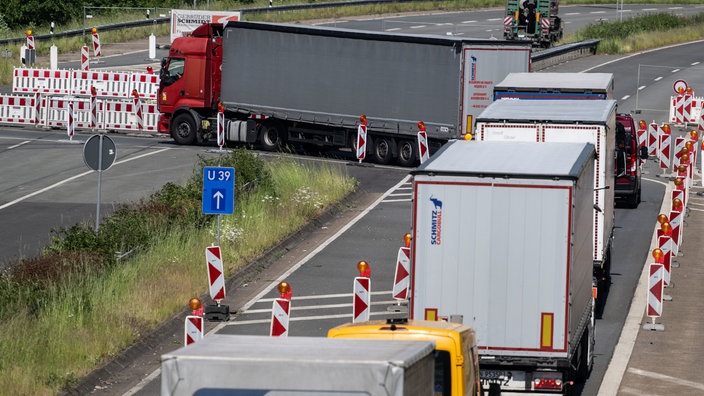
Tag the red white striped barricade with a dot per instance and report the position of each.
(96, 43)
(20, 110)
(679, 145)
(642, 136)
(137, 109)
(85, 58)
(676, 223)
(30, 42)
(216, 277)
(70, 123)
(362, 140)
(193, 329)
(665, 151)
(361, 300)
(45, 81)
(107, 84)
(423, 151)
(93, 108)
(653, 133)
(402, 277)
(146, 84)
(655, 290)
(665, 244)
(280, 315)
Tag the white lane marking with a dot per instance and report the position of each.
(494, 19)
(642, 87)
(675, 70)
(468, 21)
(658, 78)
(59, 183)
(19, 144)
(393, 29)
(296, 307)
(625, 97)
(663, 377)
(598, 12)
(418, 27)
(300, 318)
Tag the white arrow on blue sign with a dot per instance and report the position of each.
(218, 190)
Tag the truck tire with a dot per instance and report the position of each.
(382, 149)
(271, 136)
(407, 150)
(183, 129)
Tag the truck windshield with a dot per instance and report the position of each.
(442, 373)
(172, 70)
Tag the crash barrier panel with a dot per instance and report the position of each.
(79, 82)
(53, 112)
(19, 110)
(44, 81)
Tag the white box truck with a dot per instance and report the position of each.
(502, 240)
(592, 121)
(279, 366)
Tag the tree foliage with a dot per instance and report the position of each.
(26, 14)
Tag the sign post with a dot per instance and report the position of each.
(99, 154)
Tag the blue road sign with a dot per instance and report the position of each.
(218, 190)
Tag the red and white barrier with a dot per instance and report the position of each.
(70, 123)
(30, 41)
(45, 81)
(79, 82)
(85, 58)
(665, 151)
(280, 315)
(653, 133)
(423, 151)
(655, 291)
(193, 331)
(686, 109)
(665, 244)
(146, 84)
(96, 43)
(402, 277)
(216, 277)
(18, 110)
(362, 299)
(362, 139)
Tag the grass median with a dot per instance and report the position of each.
(78, 305)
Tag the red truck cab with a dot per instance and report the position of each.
(628, 162)
(189, 90)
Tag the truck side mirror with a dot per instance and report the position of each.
(643, 152)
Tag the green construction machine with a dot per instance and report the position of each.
(534, 20)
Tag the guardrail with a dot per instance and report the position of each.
(556, 55)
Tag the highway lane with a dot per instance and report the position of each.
(489, 23)
(320, 300)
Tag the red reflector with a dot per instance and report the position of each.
(547, 383)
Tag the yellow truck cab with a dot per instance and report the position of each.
(456, 361)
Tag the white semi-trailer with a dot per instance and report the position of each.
(592, 121)
(502, 242)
